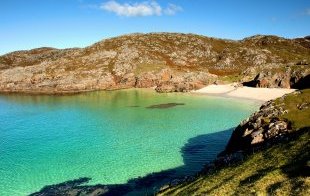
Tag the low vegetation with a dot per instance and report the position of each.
(298, 107)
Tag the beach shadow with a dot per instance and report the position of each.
(195, 153)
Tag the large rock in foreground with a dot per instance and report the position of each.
(274, 121)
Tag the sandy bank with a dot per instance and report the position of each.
(230, 90)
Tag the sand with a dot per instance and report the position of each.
(231, 90)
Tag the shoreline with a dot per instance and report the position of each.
(242, 92)
(229, 91)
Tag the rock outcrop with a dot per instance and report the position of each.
(286, 78)
(263, 126)
(170, 82)
(170, 61)
(275, 120)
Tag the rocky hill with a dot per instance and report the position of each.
(169, 61)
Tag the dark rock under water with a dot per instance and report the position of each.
(164, 105)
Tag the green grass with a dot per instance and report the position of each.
(283, 169)
(280, 170)
(298, 118)
(231, 78)
(144, 68)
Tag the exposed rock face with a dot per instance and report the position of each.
(261, 127)
(302, 82)
(170, 61)
(268, 80)
(184, 82)
(298, 78)
(146, 80)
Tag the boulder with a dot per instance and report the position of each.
(262, 127)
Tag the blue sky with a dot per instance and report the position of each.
(26, 24)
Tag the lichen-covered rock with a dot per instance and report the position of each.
(262, 127)
(173, 61)
(146, 80)
(185, 82)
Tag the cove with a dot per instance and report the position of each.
(110, 136)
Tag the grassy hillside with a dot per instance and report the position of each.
(282, 169)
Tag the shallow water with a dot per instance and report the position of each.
(110, 137)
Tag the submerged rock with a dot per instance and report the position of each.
(76, 187)
(164, 105)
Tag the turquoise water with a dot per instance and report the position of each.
(110, 137)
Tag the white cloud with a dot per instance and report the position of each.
(147, 8)
(308, 11)
(172, 9)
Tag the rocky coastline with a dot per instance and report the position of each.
(171, 62)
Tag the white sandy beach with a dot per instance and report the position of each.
(229, 90)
